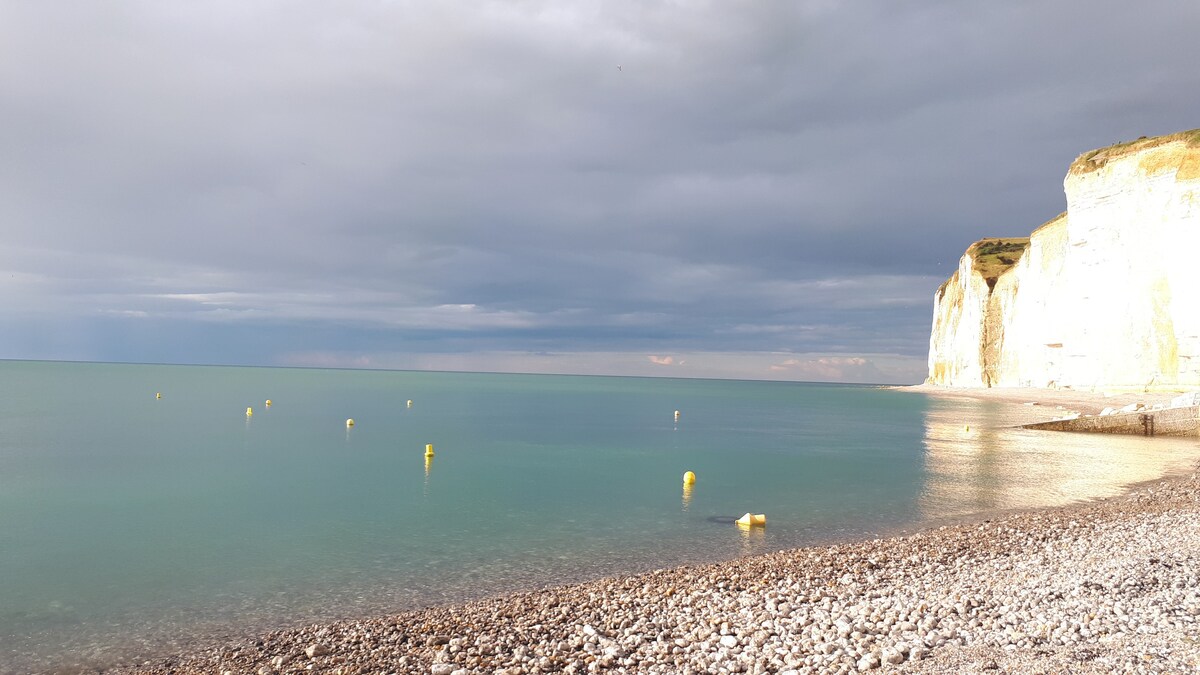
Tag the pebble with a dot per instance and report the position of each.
(868, 662)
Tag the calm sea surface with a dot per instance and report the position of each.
(131, 524)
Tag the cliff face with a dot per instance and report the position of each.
(1107, 295)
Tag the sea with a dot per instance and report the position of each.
(151, 508)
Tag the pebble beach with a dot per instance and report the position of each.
(1100, 587)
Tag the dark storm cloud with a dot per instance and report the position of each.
(378, 178)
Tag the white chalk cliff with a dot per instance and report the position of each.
(1105, 296)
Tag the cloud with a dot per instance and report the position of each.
(661, 360)
(878, 368)
(478, 177)
(830, 368)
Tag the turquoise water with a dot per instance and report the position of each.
(131, 524)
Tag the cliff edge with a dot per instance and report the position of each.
(1104, 296)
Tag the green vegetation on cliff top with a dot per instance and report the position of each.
(994, 257)
(1095, 159)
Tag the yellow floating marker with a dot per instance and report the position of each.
(268, 403)
(688, 478)
(410, 402)
(753, 520)
(968, 428)
(676, 415)
(249, 412)
(429, 449)
(158, 395)
(349, 423)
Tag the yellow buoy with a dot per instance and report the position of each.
(410, 402)
(249, 412)
(968, 427)
(268, 403)
(429, 449)
(158, 395)
(676, 415)
(688, 478)
(349, 423)
(753, 520)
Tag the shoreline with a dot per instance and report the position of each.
(1084, 402)
(1023, 592)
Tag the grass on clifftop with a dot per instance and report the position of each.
(1091, 161)
(994, 257)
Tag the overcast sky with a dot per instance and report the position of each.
(699, 189)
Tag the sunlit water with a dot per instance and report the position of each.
(130, 525)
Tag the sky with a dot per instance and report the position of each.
(758, 190)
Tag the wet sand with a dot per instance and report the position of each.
(1083, 402)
